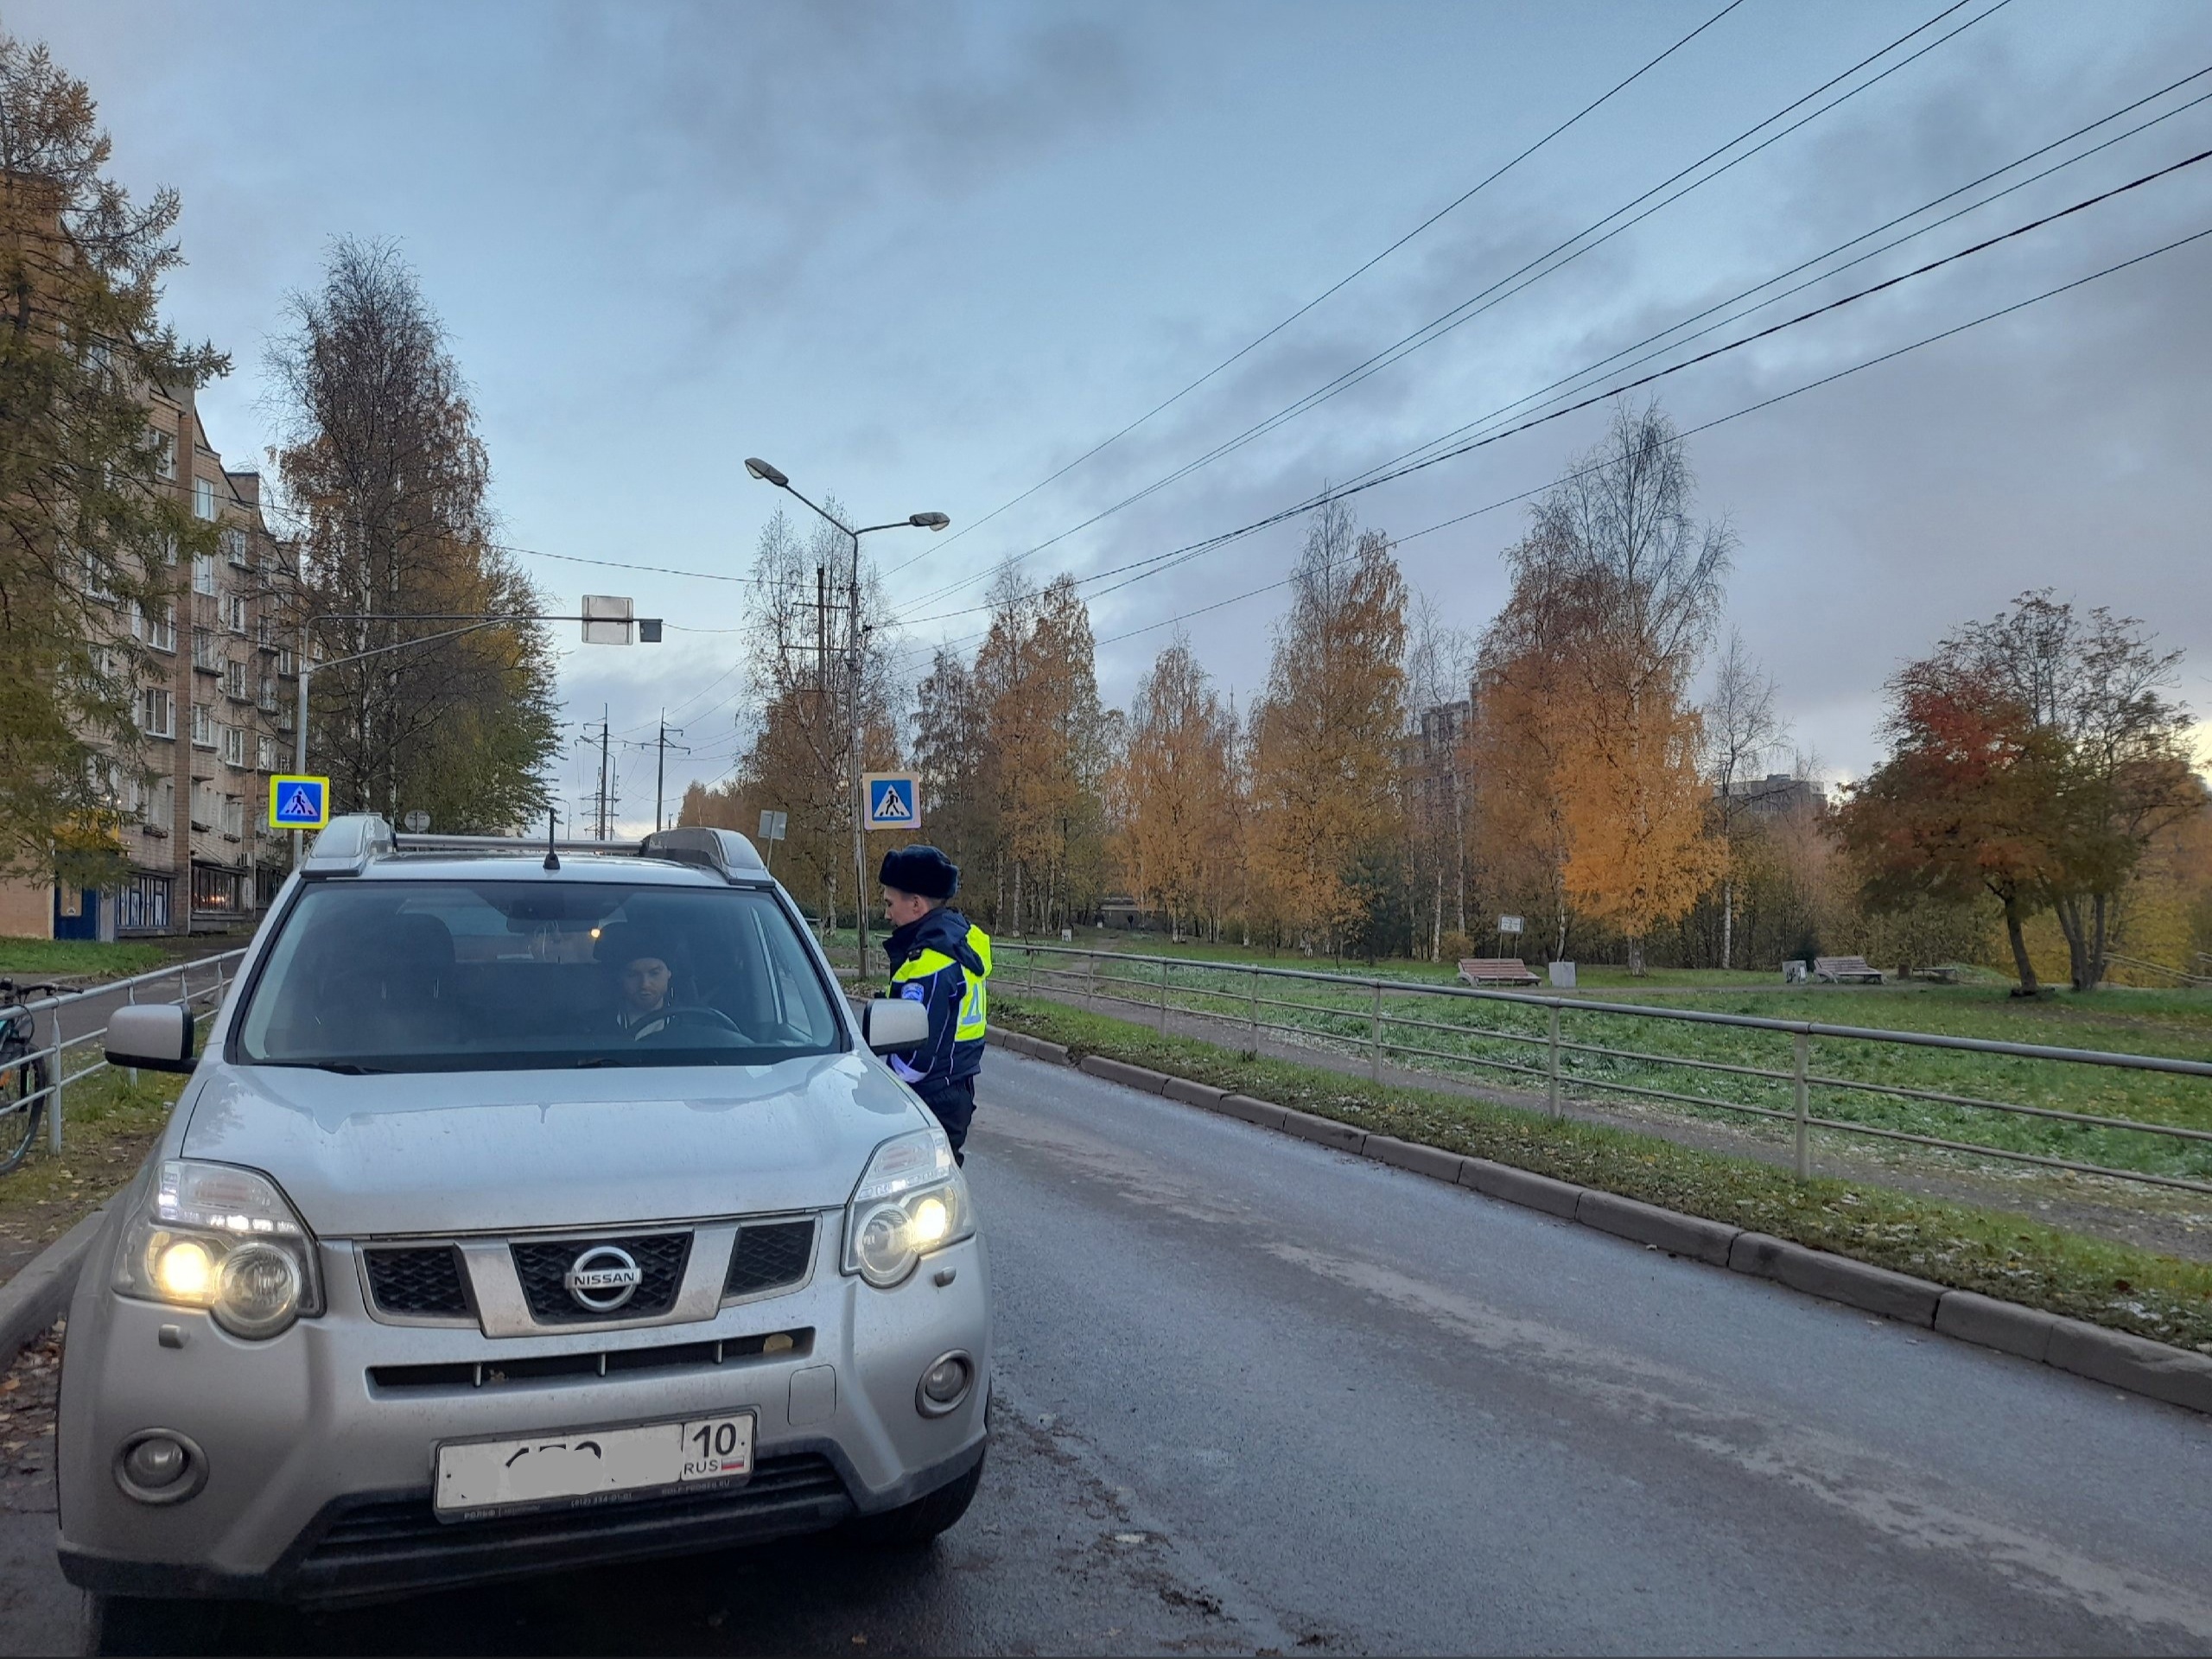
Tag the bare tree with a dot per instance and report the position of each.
(813, 687)
(386, 479)
(1742, 733)
(1439, 671)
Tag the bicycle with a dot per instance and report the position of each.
(24, 1074)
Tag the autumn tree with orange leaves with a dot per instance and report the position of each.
(1325, 740)
(1587, 678)
(1174, 792)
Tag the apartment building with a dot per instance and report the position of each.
(215, 706)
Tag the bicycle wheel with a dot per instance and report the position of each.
(23, 1104)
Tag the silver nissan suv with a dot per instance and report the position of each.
(529, 1205)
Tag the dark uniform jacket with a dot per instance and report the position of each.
(942, 962)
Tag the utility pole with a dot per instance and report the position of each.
(660, 765)
(859, 803)
(602, 771)
(931, 521)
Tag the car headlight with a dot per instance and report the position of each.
(224, 1239)
(912, 1199)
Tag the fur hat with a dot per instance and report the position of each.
(923, 871)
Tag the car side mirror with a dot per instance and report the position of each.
(154, 1036)
(894, 1023)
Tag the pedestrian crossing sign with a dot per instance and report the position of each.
(894, 800)
(297, 802)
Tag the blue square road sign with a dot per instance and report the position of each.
(894, 801)
(298, 802)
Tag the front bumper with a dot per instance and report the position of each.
(318, 1484)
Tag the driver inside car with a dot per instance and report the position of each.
(644, 983)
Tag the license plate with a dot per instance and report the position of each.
(588, 1466)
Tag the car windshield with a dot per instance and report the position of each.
(392, 975)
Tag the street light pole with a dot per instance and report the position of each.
(931, 521)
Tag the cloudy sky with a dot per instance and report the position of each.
(925, 257)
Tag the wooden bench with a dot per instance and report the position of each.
(1495, 971)
(1838, 970)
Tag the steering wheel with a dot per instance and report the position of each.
(694, 1016)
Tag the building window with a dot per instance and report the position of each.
(203, 727)
(164, 454)
(142, 905)
(98, 584)
(156, 712)
(234, 745)
(234, 816)
(284, 662)
(160, 805)
(204, 653)
(267, 701)
(213, 888)
(264, 753)
(234, 545)
(203, 498)
(234, 609)
(234, 682)
(161, 631)
(203, 573)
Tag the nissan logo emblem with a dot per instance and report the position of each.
(602, 1279)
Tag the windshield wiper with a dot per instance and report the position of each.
(343, 1068)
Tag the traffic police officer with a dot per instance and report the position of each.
(939, 959)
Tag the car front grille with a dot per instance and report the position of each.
(419, 1283)
(660, 1258)
(770, 1254)
(525, 1370)
(395, 1542)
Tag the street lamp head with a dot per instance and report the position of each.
(928, 521)
(767, 474)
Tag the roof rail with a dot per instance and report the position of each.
(436, 843)
(352, 842)
(347, 844)
(724, 851)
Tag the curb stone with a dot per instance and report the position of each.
(2134, 1364)
(38, 1293)
(1265, 1113)
(1821, 1273)
(1665, 1230)
(2007, 1326)
(1521, 1186)
(1129, 1077)
(1323, 1131)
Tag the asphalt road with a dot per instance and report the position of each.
(1256, 1396)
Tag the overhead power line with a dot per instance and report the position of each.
(1486, 298)
(1706, 426)
(1342, 283)
(1159, 563)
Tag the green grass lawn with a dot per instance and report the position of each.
(1486, 1039)
(1990, 1251)
(33, 959)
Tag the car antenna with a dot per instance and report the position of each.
(552, 858)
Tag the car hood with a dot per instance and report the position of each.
(479, 1151)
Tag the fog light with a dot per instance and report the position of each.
(157, 1461)
(944, 1385)
(157, 1465)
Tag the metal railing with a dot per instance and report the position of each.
(1351, 1014)
(56, 1052)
